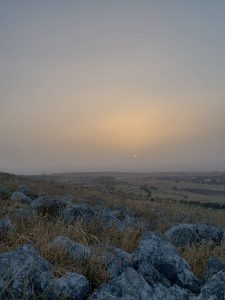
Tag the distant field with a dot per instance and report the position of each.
(206, 190)
(194, 187)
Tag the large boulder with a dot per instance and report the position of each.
(20, 197)
(23, 273)
(116, 260)
(114, 218)
(164, 257)
(74, 250)
(192, 234)
(72, 286)
(74, 212)
(26, 191)
(214, 288)
(131, 285)
(172, 293)
(50, 205)
(161, 285)
(213, 266)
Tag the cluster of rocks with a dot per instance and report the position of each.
(64, 208)
(24, 274)
(24, 194)
(154, 271)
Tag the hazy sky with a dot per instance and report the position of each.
(127, 85)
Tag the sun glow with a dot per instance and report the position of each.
(134, 130)
(128, 131)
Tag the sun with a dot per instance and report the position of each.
(135, 156)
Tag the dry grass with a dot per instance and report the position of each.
(197, 257)
(40, 230)
(93, 268)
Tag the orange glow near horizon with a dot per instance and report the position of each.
(132, 130)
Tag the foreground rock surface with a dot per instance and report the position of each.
(24, 273)
(151, 275)
(214, 288)
(72, 286)
(164, 257)
(132, 286)
(213, 266)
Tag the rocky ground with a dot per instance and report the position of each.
(55, 247)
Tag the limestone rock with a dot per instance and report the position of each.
(20, 197)
(72, 286)
(213, 266)
(24, 273)
(164, 257)
(74, 250)
(192, 234)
